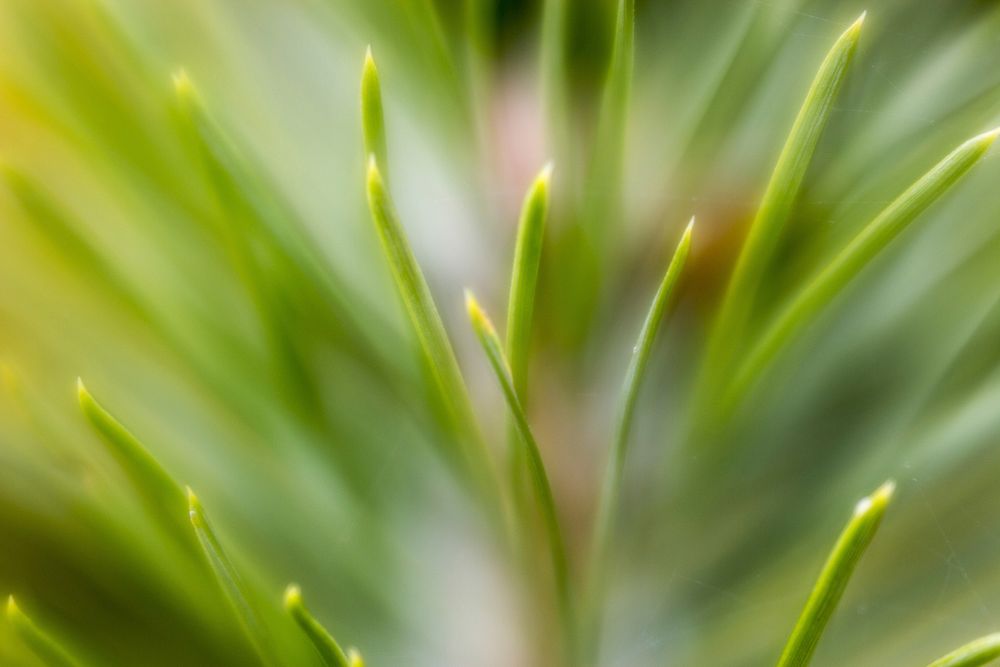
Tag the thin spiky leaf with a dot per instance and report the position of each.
(324, 643)
(354, 658)
(607, 161)
(42, 644)
(160, 492)
(975, 653)
(614, 471)
(553, 74)
(230, 581)
(524, 277)
(775, 207)
(431, 335)
(520, 308)
(829, 588)
(862, 249)
(372, 114)
(490, 341)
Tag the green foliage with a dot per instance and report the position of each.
(203, 256)
(975, 653)
(829, 588)
(327, 647)
(472, 456)
(776, 205)
(41, 644)
(161, 494)
(231, 582)
(862, 249)
(524, 277)
(372, 115)
(545, 503)
(614, 473)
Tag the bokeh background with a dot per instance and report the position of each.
(249, 333)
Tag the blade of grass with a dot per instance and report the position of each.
(975, 653)
(775, 207)
(615, 467)
(327, 647)
(45, 648)
(473, 455)
(230, 581)
(875, 236)
(490, 342)
(829, 588)
(162, 495)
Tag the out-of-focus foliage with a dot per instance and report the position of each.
(183, 225)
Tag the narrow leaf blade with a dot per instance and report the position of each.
(430, 332)
(775, 207)
(520, 308)
(975, 653)
(874, 238)
(490, 342)
(230, 581)
(833, 579)
(161, 494)
(372, 115)
(524, 277)
(611, 490)
(607, 161)
(43, 645)
(553, 72)
(327, 647)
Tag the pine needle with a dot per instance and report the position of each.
(553, 75)
(524, 277)
(490, 342)
(161, 494)
(829, 588)
(43, 645)
(327, 647)
(520, 307)
(775, 207)
(372, 115)
(607, 161)
(975, 653)
(615, 468)
(862, 249)
(437, 350)
(230, 581)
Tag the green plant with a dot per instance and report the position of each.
(202, 257)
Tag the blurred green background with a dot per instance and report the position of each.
(249, 333)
